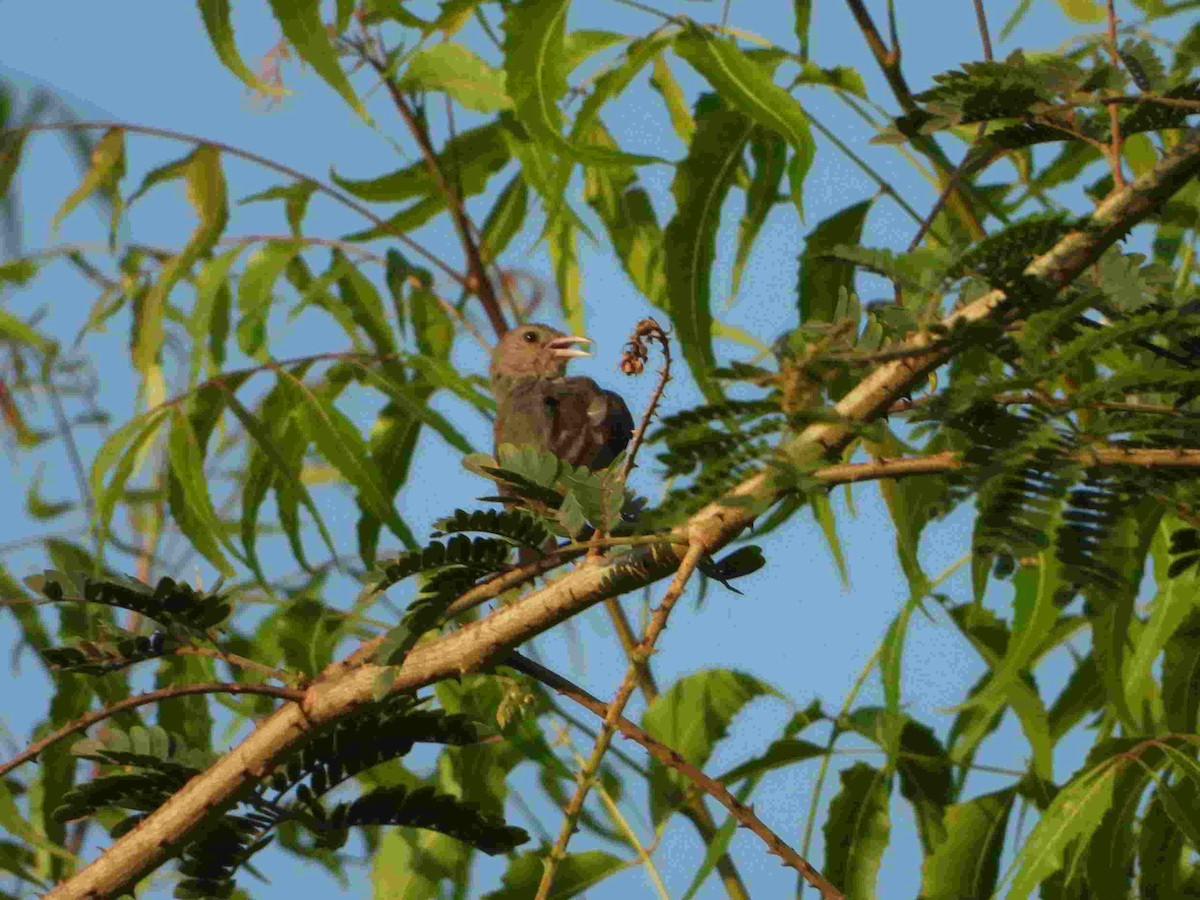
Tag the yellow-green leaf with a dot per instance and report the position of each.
(216, 16)
(106, 169)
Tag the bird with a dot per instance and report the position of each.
(537, 404)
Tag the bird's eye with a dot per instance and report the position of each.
(529, 337)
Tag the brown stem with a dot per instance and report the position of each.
(241, 662)
(961, 169)
(182, 690)
(850, 473)
(1036, 399)
(671, 758)
(478, 281)
(888, 61)
(648, 329)
(658, 621)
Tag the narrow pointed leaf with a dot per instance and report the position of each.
(702, 183)
(305, 31)
(216, 17)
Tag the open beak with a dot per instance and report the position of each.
(561, 347)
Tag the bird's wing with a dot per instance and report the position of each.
(592, 425)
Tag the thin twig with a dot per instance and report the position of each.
(888, 60)
(961, 169)
(1114, 114)
(233, 659)
(984, 35)
(68, 438)
(254, 158)
(478, 282)
(671, 758)
(635, 356)
(182, 690)
(657, 623)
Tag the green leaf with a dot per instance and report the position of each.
(802, 10)
(745, 85)
(106, 170)
(304, 30)
(778, 755)
(284, 471)
(564, 254)
(121, 452)
(628, 217)
(823, 280)
(701, 185)
(1180, 684)
(924, 767)
(576, 873)
(209, 321)
(216, 16)
(358, 295)
(663, 80)
(691, 718)
(967, 862)
(341, 444)
(581, 45)
(1083, 10)
(505, 219)
(1035, 613)
(467, 159)
(206, 191)
(191, 504)
(295, 199)
(256, 292)
(15, 330)
(1170, 608)
(1074, 814)
(857, 831)
(769, 152)
(454, 70)
(535, 63)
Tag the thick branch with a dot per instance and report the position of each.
(671, 758)
(345, 687)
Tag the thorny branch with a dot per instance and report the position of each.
(669, 757)
(182, 690)
(658, 621)
(348, 684)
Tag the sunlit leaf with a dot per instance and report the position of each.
(535, 63)
(692, 717)
(216, 16)
(458, 72)
(701, 184)
(302, 26)
(857, 831)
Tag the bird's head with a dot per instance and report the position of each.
(535, 350)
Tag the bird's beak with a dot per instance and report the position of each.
(561, 347)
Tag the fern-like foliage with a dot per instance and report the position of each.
(1051, 98)
(100, 657)
(516, 525)
(176, 606)
(340, 752)
(145, 766)
(425, 808)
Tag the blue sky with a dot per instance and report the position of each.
(797, 626)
